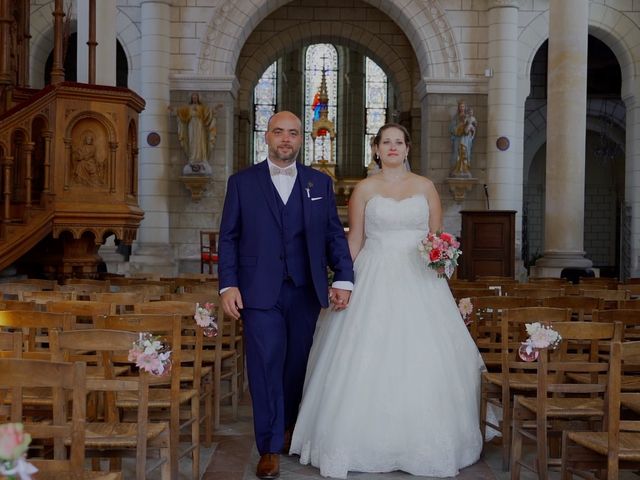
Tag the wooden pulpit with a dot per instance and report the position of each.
(487, 243)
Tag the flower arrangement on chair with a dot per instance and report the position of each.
(440, 250)
(540, 337)
(465, 307)
(206, 318)
(151, 354)
(14, 443)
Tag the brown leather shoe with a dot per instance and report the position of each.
(268, 466)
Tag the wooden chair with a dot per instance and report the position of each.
(633, 288)
(192, 343)
(560, 402)
(163, 398)
(14, 290)
(586, 453)
(515, 376)
(633, 304)
(611, 297)
(208, 250)
(11, 344)
(459, 293)
(581, 307)
(17, 305)
(66, 381)
(83, 291)
(598, 283)
(35, 327)
(485, 325)
(41, 283)
(106, 435)
(533, 290)
(123, 301)
(41, 298)
(85, 312)
(232, 339)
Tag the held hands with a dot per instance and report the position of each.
(231, 301)
(339, 298)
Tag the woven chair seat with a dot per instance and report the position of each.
(210, 355)
(492, 359)
(517, 381)
(631, 401)
(567, 407)
(629, 383)
(186, 373)
(597, 441)
(102, 435)
(158, 398)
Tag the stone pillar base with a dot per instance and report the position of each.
(152, 258)
(552, 264)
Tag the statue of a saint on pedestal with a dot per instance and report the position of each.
(463, 127)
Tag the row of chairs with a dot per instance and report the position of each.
(216, 357)
(566, 386)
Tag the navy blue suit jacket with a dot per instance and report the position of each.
(250, 241)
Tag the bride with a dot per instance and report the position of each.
(393, 381)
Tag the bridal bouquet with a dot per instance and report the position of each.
(440, 251)
(14, 444)
(540, 336)
(205, 317)
(151, 355)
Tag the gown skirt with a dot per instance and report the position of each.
(393, 381)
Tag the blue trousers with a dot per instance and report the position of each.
(277, 344)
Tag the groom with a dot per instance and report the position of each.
(279, 231)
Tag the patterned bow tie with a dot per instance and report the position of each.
(290, 170)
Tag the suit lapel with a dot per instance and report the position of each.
(305, 186)
(266, 185)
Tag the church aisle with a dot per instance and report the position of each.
(235, 457)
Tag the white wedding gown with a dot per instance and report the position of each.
(393, 381)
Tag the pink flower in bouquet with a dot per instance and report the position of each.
(540, 336)
(150, 354)
(14, 444)
(205, 317)
(149, 362)
(13, 441)
(465, 307)
(435, 254)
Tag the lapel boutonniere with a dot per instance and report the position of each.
(308, 189)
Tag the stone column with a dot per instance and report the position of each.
(566, 133)
(632, 183)
(504, 165)
(57, 69)
(105, 11)
(152, 252)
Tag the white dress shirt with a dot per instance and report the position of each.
(284, 183)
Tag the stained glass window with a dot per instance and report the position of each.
(318, 57)
(264, 105)
(375, 104)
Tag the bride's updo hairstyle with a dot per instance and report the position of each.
(376, 139)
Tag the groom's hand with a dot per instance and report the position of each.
(339, 298)
(231, 302)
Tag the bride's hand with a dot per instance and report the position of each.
(339, 298)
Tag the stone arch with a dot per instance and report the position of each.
(41, 29)
(386, 57)
(424, 23)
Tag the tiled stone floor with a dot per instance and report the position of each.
(235, 458)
